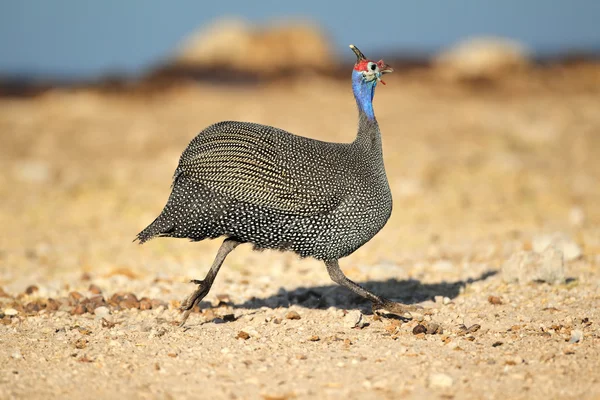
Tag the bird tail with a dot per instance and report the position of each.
(161, 226)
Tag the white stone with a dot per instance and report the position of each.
(354, 319)
(440, 380)
(102, 312)
(11, 312)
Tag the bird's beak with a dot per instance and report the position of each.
(384, 68)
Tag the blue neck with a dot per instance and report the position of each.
(363, 93)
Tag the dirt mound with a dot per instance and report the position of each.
(482, 58)
(291, 47)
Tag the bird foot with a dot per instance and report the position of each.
(188, 304)
(399, 309)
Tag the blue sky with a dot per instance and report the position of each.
(86, 38)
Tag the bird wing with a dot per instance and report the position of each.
(246, 162)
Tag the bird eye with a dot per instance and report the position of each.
(372, 66)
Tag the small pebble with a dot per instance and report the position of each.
(292, 315)
(102, 312)
(419, 329)
(576, 336)
(354, 319)
(440, 380)
(314, 338)
(495, 300)
(243, 335)
(32, 289)
(80, 309)
(94, 289)
(11, 312)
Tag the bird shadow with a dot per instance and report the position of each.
(322, 297)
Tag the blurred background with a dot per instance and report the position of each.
(490, 123)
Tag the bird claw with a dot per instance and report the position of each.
(190, 302)
(394, 308)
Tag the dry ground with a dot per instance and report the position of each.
(478, 172)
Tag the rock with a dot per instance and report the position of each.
(440, 380)
(443, 266)
(482, 58)
(571, 250)
(102, 312)
(529, 266)
(495, 300)
(576, 216)
(32, 171)
(576, 336)
(419, 329)
(17, 355)
(31, 289)
(11, 312)
(239, 46)
(145, 304)
(292, 315)
(94, 289)
(243, 335)
(354, 319)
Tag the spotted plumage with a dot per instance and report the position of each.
(253, 183)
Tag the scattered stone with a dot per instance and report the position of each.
(172, 355)
(128, 301)
(81, 343)
(292, 315)
(102, 312)
(52, 305)
(314, 338)
(570, 250)
(94, 289)
(145, 304)
(33, 307)
(516, 360)
(446, 301)
(75, 297)
(440, 380)
(576, 216)
(32, 171)
(576, 336)
(11, 312)
(497, 344)
(354, 319)
(529, 266)
(243, 335)
(495, 300)
(79, 309)
(156, 303)
(31, 289)
(95, 302)
(107, 324)
(433, 328)
(17, 355)
(419, 329)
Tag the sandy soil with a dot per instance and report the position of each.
(478, 173)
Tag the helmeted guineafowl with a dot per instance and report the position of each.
(258, 184)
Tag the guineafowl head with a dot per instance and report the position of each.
(365, 76)
(367, 70)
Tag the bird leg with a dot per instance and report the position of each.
(205, 284)
(379, 303)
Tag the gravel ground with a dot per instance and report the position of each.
(494, 232)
